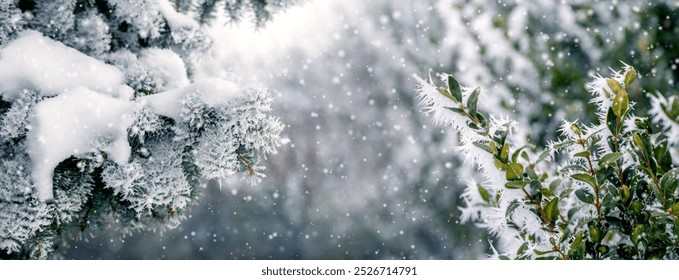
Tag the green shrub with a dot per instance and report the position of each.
(603, 191)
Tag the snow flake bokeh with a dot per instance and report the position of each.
(367, 174)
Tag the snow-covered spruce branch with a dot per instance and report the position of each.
(102, 120)
(603, 191)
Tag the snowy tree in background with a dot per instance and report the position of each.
(102, 119)
(547, 52)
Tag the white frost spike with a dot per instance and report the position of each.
(493, 218)
(71, 124)
(602, 94)
(33, 61)
(437, 104)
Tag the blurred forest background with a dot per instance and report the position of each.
(366, 175)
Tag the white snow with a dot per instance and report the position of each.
(182, 26)
(71, 124)
(90, 107)
(33, 61)
(167, 66)
(214, 92)
(77, 120)
(174, 18)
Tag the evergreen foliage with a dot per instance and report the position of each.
(153, 43)
(609, 190)
(259, 11)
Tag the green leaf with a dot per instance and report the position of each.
(554, 184)
(637, 233)
(662, 156)
(522, 250)
(643, 123)
(514, 172)
(636, 206)
(630, 76)
(615, 86)
(609, 159)
(575, 128)
(671, 109)
(542, 156)
(481, 119)
(670, 181)
(675, 209)
(473, 100)
(500, 165)
(573, 167)
(500, 135)
(446, 93)
(603, 249)
(504, 152)
(576, 243)
(585, 196)
(583, 177)
(552, 209)
(547, 192)
(534, 187)
(483, 147)
(484, 193)
(611, 121)
(455, 89)
(515, 185)
(625, 193)
(620, 103)
(636, 139)
(594, 234)
(472, 125)
(606, 174)
(608, 200)
(609, 236)
(457, 110)
(583, 154)
(642, 141)
(540, 253)
(515, 154)
(621, 99)
(564, 144)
